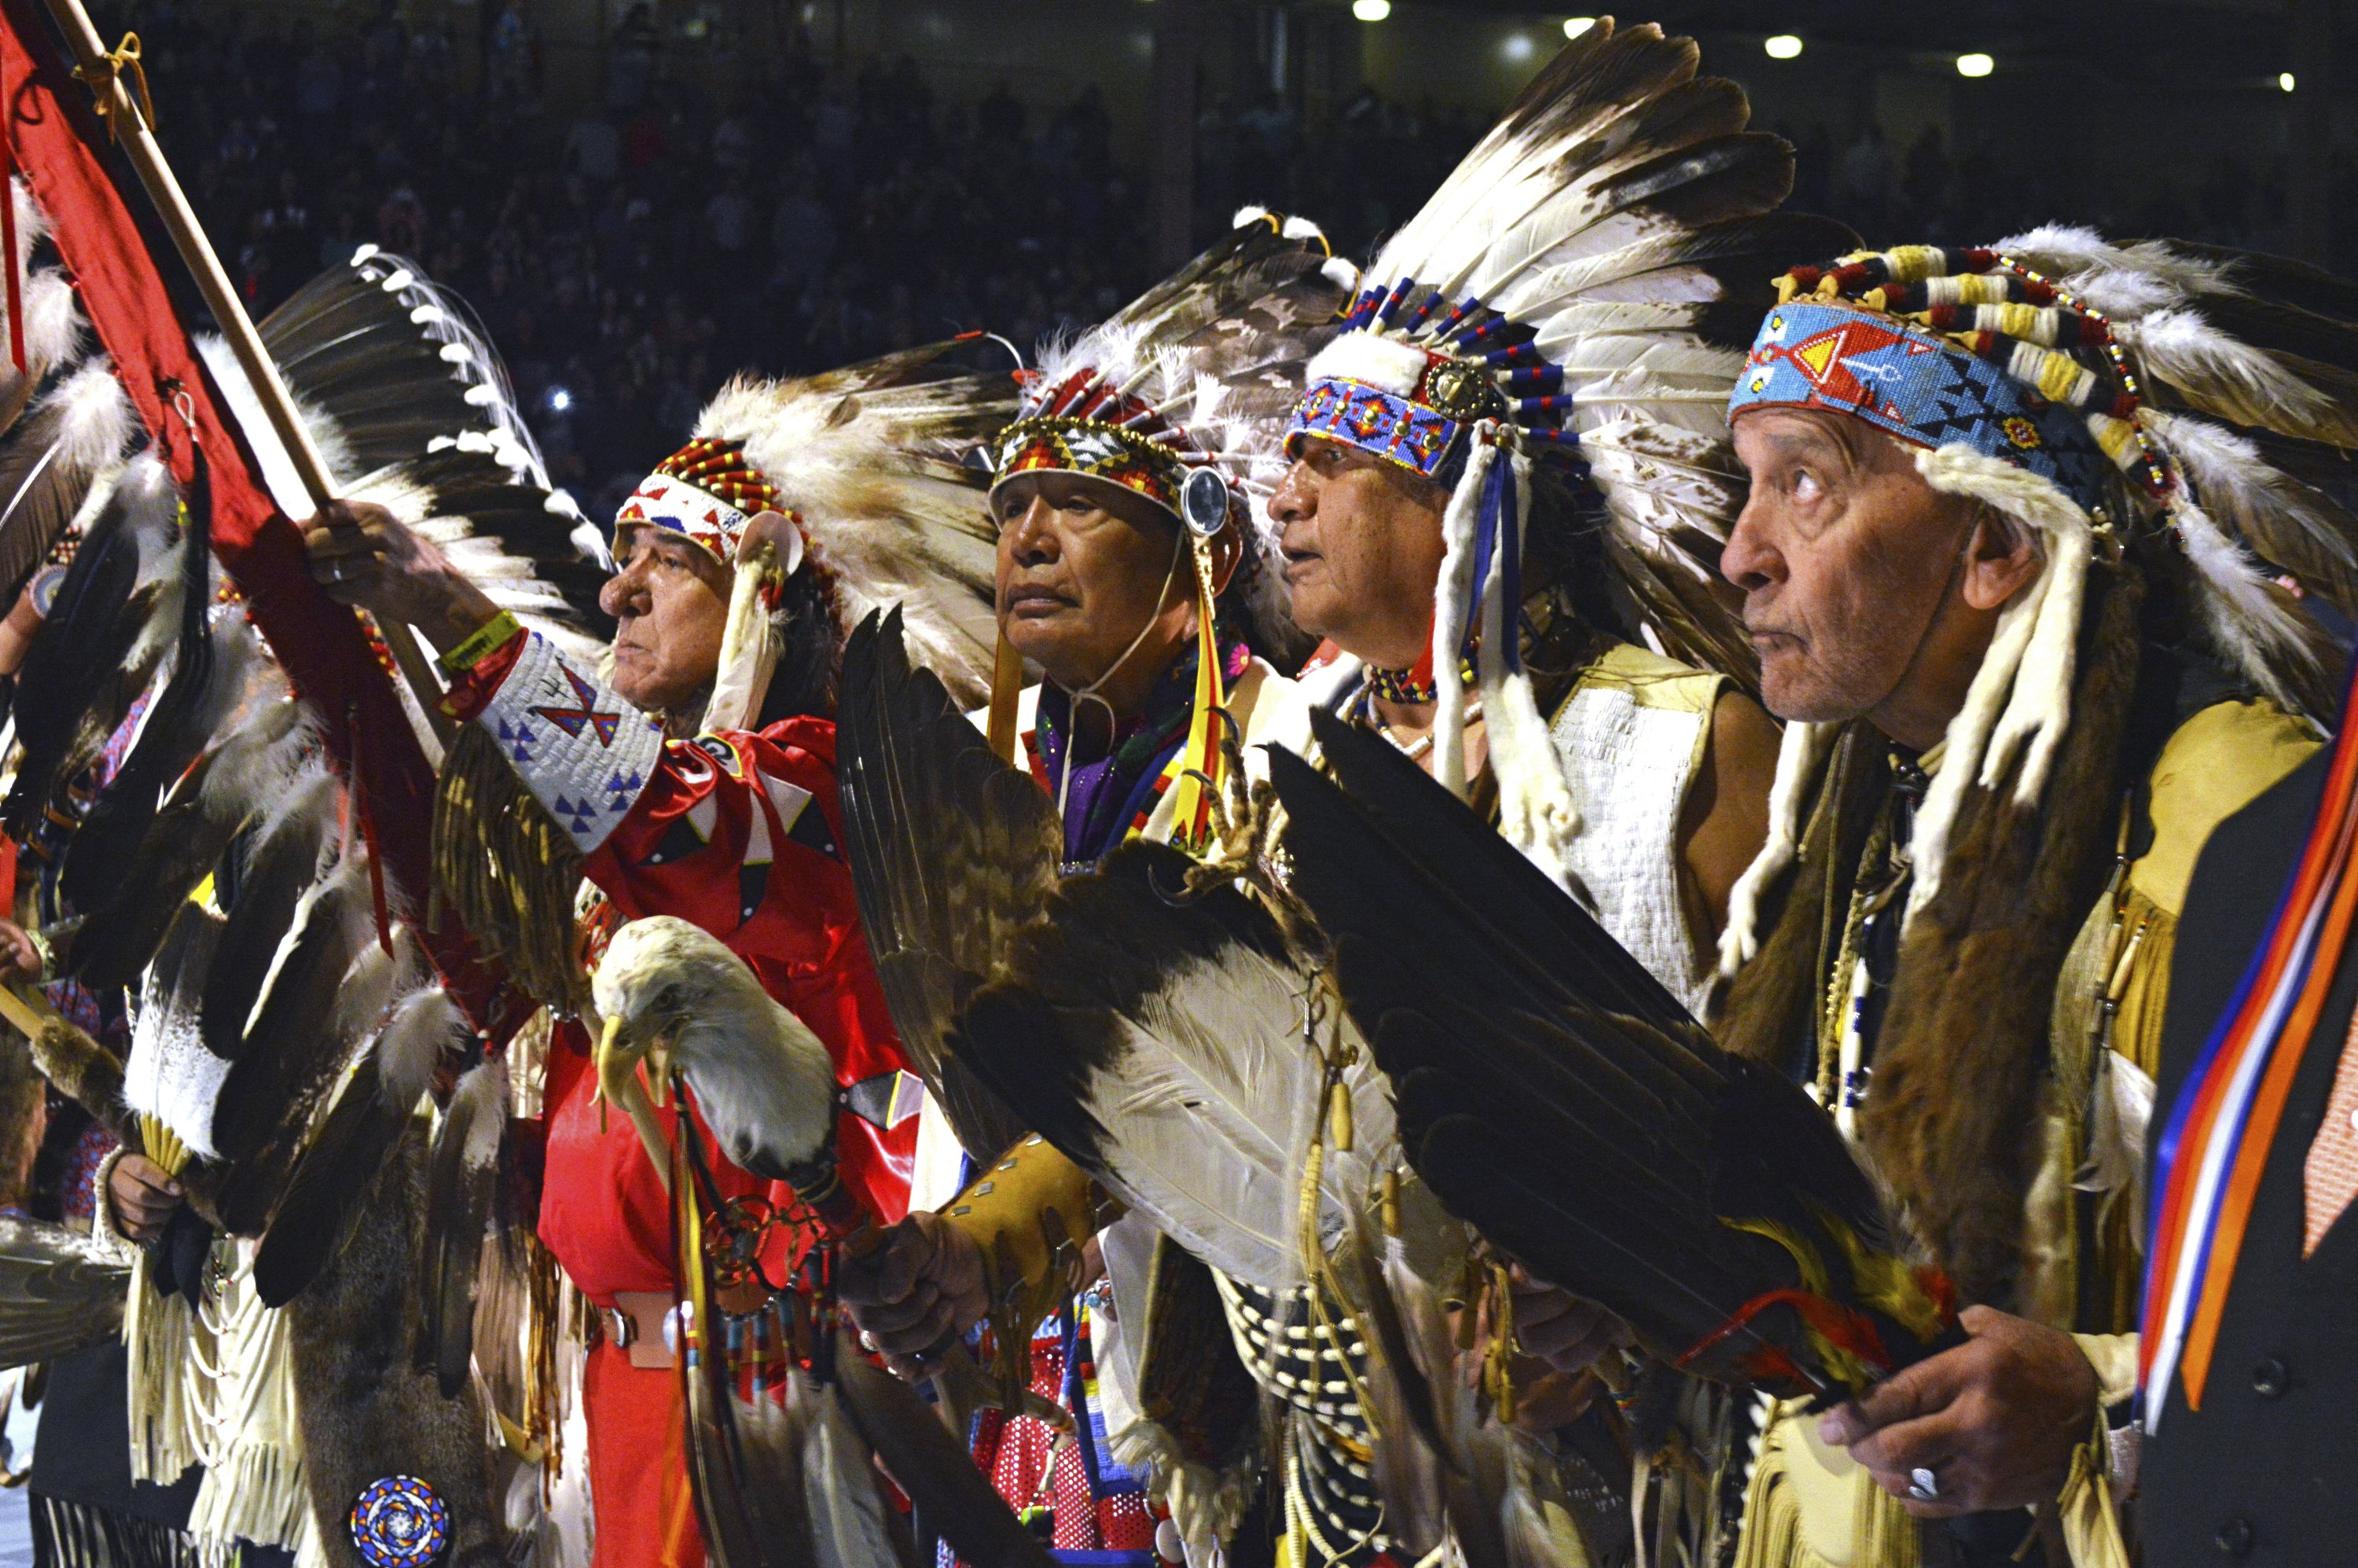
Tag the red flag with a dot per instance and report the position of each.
(57, 140)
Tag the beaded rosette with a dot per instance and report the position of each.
(399, 1522)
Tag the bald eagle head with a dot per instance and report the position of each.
(674, 996)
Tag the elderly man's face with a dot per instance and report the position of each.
(669, 599)
(1085, 566)
(1847, 559)
(1363, 547)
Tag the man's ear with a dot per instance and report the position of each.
(2002, 557)
(1228, 555)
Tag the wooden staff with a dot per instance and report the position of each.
(137, 138)
(27, 1012)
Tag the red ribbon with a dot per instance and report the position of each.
(55, 139)
(1839, 1325)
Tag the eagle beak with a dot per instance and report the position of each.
(618, 1082)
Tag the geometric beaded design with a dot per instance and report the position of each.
(398, 1522)
(1919, 387)
(584, 753)
(1374, 420)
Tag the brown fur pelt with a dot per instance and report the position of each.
(85, 1072)
(1770, 1013)
(1951, 1123)
(366, 1411)
(23, 1098)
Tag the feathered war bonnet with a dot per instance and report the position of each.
(2053, 377)
(1181, 398)
(866, 465)
(1576, 294)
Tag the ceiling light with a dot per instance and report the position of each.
(1575, 26)
(2284, 79)
(1516, 48)
(1784, 46)
(1975, 65)
(1372, 10)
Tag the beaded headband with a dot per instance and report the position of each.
(1094, 448)
(1918, 385)
(2056, 353)
(1085, 426)
(707, 492)
(1365, 392)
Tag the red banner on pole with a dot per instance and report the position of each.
(57, 141)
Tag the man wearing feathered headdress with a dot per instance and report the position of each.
(1484, 601)
(1129, 573)
(696, 779)
(2026, 668)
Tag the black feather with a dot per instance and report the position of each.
(41, 487)
(458, 1205)
(950, 851)
(170, 737)
(348, 349)
(186, 842)
(1052, 1021)
(90, 628)
(314, 1213)
(271, 881)
(1556, 1098)
(293, 1046)
(367, 361)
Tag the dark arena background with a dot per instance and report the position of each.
(643, 198)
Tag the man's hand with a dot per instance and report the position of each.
(926, 1284)
(361, 553)
(140, 1198)
(1996, 1421)
(1559, 1338)
(1569, 1334)
(19, 959)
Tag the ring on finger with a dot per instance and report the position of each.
(1923, 1486)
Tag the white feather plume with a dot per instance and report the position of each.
(2238, 486)
(1214, 1106)
(2060, 250)
(888, 506)
(2247, 615)
(424, 1024)
(2222, 375)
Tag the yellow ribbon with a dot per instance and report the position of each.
(110, 69)
(1202, 762)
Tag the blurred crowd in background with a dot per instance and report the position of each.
(627, 256)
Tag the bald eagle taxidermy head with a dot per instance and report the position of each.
(675, 998)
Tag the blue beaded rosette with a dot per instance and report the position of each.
(398, 1522)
